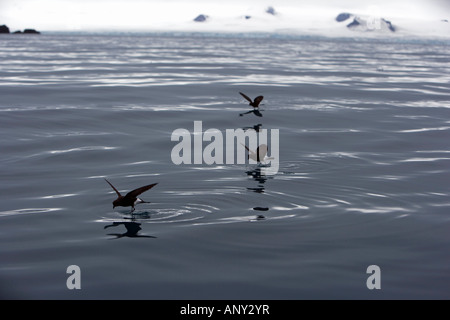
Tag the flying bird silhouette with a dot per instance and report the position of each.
(131, 198)
(254, 103)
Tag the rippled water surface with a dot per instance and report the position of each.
(363, 176)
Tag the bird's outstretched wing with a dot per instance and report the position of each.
(246, 148)
(118, 193)
(251, 154)
(261, 152)
(246, 97)
(140, 190)
(258, 100)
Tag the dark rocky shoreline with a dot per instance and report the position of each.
(5, 29)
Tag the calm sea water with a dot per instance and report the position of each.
(363, 179)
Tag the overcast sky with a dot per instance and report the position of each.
(143, 14)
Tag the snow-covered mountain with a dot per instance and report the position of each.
(342, 24)
(344, 18)
(366, 23)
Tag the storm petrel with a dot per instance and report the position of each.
(254, 103)
(131, 198)
(260, 153)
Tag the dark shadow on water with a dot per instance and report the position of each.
(259, 189)
(256, 127)
(132, 230)
(261, 178)
(256, 112)
(257, 175)
(261, 209)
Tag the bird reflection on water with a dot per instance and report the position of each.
(261, 179)
(132, 230)
(256, 127)
(257, 175)
(256, 112)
